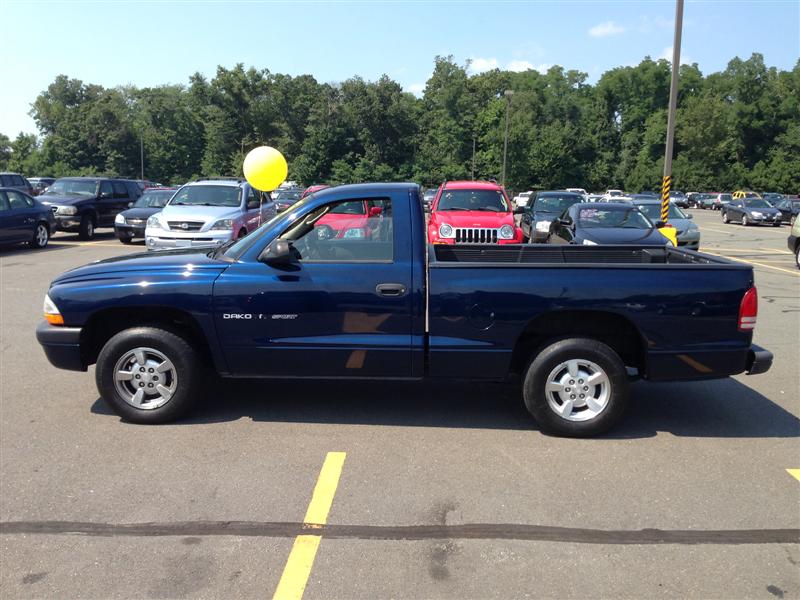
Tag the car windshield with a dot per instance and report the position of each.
(653, 211)
(356, 207)
(756, 203)
(206, 195)
(625, 218)
(555, 203)
(72, 187)
(153, 199)
(283, 195)
(773, 196)
(429, 195)
(725, 197)
(676, 194)
(486, 200)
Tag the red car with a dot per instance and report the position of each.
(357, 219)
(472, 212)
(311, 189)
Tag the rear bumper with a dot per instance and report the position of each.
(61, 346)
(759, 360)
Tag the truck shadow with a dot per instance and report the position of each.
(721, 408)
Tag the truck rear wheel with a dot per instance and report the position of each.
(576, 387)
(148, 375)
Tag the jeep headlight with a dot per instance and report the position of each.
(119, 220)
(223, 224)
(543, 226)
(154, 222)
(67, 210)
(354, 233)
(506, 232)
(446, 231)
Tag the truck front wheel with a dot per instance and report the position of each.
(576, 387)
(148, 375)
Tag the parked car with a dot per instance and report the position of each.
(692, 199)
(522, 199)
(313, 188)
(789, 208)
(688, 233)
(751, 211)
(285, 197)
(40, 184)
(580, 191)
(613, 194)
(145, 184)
(717, 200)
(427, 198)
(570, 323)
(794, 241)
(592, 224)
(131, 223)
(648, 193)
(772, 197)
(679, 198)
(209, 212)
(739, 194)
(546, 208)
(17, 182)
(24, 220)
(83, 204)
(472, 212)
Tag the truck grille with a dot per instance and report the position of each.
(475, 235)
(185, 225)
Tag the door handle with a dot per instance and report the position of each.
(390, 289)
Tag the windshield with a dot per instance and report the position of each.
(653, 211)
(555, 204)
(486, 200)
(72, 187)
(154, 199)
(773, 196)
(206, 195)
(350, 208)
(757, 203)
(725, 197)
(625, 218)
(283, 195)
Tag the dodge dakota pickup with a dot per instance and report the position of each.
(573, 324)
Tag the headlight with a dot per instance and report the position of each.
(757, 214)
(154, 222)
(224, 224)
(119, 220)
(67, 210)
(589, 243)
(51, 312)
(506, 232)
(446, 231)
(543, 226)
(354, 233)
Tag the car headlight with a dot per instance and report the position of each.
(223, 224)
(119, 219)
(506, 232)
(757, 214)
(51, 312)
(446, 231)
(154, 222)
(543, 226)
(354, 233)
(589, 243)
(67, 210)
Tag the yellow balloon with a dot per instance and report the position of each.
(265, 168)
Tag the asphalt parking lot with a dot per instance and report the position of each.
(405, 490)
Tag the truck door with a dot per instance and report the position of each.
(341, 308)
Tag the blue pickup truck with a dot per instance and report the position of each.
(331, 289)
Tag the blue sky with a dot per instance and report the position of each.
(152, 42)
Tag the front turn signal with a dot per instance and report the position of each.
(51, 313)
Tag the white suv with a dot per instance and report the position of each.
(208, 212)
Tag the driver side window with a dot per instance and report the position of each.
(345, 231)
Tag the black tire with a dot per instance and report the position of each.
(797, 256)
(777, 224)
(125, 238)
(745, 221)
(41, 235)
(184, 358)
(86, 228)
(725, 218)
(549, 359)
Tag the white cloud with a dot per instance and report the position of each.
(666, 54)
(606, 29)
(479, 65)
(416, 88)
(519, 65)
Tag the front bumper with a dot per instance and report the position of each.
(767, 219)
(158, 239)
(61, 346)
(67, 222)
(129, 230)
(759, 360)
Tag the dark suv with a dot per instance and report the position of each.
(17, 182)
(83, 204)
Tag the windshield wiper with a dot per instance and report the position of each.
(221, 248)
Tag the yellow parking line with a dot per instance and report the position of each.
(752, 262)
(794, 473)
(301, 558)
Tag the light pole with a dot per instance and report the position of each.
(141, 154)
(666, 182)
(473, 157)
(507, 94)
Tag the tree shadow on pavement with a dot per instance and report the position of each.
(721, 408)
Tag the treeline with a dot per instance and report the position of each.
(739, 128)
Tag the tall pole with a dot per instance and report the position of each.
(141, 155)
(507, 94)
(473, 157)
(666, 182)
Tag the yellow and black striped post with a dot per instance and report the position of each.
(665, 186)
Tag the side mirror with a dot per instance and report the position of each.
(104, 195)
(519, 210)
(660, 224)
(253, 204)
(375, 211)
(565, 221)
(130, 204)
(278, 252)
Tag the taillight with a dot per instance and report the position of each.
(748, 310)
